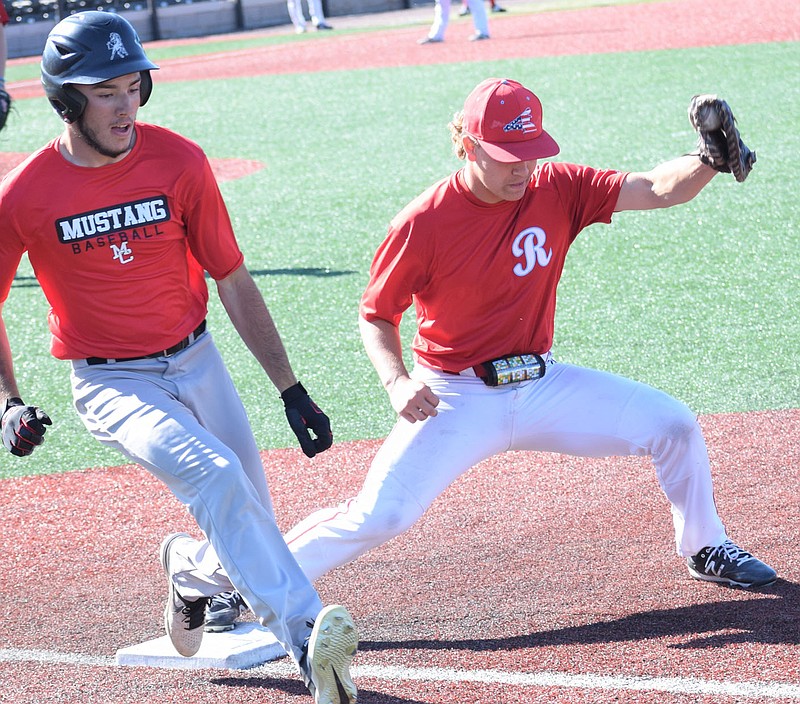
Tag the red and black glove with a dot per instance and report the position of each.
(23, 427)
(305, 416)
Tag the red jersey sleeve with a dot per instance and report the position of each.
(208, 226)
(396, 274)
(11, 249)
(588, 195)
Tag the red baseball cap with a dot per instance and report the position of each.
(506, 118)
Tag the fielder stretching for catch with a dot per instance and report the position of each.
(130, 219)
(479, 254)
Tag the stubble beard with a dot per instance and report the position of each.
(90, 137)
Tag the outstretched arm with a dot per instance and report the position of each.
(671, 183)
(719, 149)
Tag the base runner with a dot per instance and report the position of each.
(121, 220)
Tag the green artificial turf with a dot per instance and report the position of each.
(699, 300)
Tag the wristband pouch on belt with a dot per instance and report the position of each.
(512, 369)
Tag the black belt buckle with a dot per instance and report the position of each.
(512, 369)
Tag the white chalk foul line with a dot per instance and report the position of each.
(53, 656)
(673, 685)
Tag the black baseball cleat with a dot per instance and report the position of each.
(729, 564)
(183, 618)
(222, 612)
(327, 654)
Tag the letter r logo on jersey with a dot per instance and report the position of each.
(530, 244)
(122, 252)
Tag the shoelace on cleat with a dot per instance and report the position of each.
(226, 600)
(729, 553)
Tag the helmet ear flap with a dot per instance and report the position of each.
(69, 104)
(145, 87)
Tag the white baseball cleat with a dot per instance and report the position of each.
(325, 664)
(183, 619)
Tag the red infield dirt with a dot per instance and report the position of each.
(535, 578)
(533, 564)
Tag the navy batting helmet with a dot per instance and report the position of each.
(88, 48)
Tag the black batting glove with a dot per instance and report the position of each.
(305, 416)
(23, 427)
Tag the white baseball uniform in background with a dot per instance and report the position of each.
(441, 18)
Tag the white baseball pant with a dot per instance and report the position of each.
(571, 410)
(441, 18)
(295, 8)
(181, 418)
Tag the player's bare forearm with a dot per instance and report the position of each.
(250, 316)
(8, 382)
(671, 183)
(382, 342)
(411, 399)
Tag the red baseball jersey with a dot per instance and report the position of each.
(120, 250)
(483, 277)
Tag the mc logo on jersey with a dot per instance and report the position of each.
(122, 252)
(530, 244)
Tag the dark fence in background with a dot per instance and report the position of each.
(31, 20)
(26, 11)
(55, 10)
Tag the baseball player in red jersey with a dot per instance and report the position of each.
(132, 219)
(479, 255)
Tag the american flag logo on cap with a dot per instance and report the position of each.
(521, 123)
